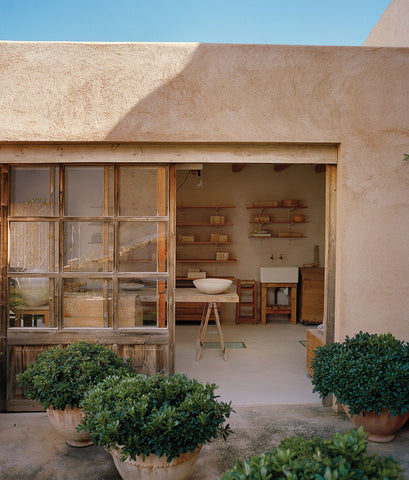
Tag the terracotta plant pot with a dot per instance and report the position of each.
(66, 422)
(381, 428)
(156, 468)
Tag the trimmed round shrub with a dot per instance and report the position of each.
(62, 375)
(368, 372)
(160, 415)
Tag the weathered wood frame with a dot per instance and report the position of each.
(148, 347)
(168, 154)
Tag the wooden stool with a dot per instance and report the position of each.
(247, 292)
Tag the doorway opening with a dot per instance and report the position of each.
(230, 222)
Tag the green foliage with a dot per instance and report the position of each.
(368, 373)
(341, 457)
(61, 376)
(405, 157)
(160, 414)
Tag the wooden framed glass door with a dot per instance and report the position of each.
(90, 257)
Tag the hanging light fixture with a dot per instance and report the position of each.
(199, 182)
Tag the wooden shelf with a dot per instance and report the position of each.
(266, 206)
(204, 260)
(278, 310)
(283, 221)
(206, 206)
(189, 222)
(203, 224)
(279, 236)
(215, 243)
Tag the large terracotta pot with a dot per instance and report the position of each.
(381, 428)
(66, 422)
(156, 468)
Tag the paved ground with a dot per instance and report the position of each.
(31, 450)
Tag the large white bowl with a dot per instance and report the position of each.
(212, 285)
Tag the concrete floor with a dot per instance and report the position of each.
(271, 370)
(31, 450)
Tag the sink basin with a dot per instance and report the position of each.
(279, 274)
(212, 286)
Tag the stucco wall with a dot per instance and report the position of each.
(392, 29)
(355, 96)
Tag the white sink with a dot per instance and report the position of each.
(279, 274)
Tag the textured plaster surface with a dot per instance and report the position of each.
(392, 28)
(357, 97)
(32, 450)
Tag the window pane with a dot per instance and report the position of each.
(142, 247)
(33, 247)
(89, 191)
(143, 191)
(34, 191)
(142, 303)
(31, 302)
(88, 246)
(87, 303)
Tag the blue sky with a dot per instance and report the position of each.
(292, 22)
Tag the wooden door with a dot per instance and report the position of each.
(90, 256)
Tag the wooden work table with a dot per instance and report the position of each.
(193, 295)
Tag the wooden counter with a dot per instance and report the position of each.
(193, 295)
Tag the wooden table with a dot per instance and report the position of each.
(193, 295)
(290, 309)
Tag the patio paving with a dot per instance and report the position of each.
(31, 450)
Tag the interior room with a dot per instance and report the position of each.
(231, 221)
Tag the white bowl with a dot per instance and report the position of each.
(212, 285)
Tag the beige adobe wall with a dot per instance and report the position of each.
(392, 29)
(356, 97)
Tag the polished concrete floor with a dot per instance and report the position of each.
(269, 371)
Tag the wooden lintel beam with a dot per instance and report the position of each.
(237, 167)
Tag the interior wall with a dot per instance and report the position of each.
(254, 183)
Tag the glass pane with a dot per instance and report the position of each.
(34, 191)
(31, 302)
(142, 247)
(87, 302)
(88, 246)
(143, 191)
(142, 303)
(89, 191)
(33, 247)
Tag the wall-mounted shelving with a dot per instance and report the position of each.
(212, 222)
(265, 218)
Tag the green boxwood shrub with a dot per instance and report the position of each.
(62, 375)
(160, 414)
(368, 372)
(341, 457)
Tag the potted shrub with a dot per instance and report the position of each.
(342, 456)
(60, 377)
(369, 375)
(154, 427)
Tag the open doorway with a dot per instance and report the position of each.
(266, 362)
